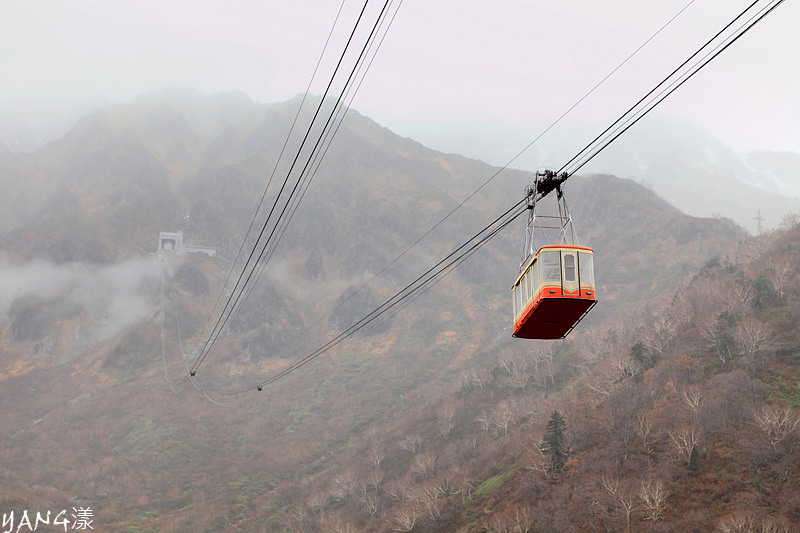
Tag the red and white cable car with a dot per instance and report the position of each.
(555, 287)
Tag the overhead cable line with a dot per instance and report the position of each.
(193, 380)
(223, 317)
(490, 231)
(453, 259)
(668, 85)
(275, 167)
(252, 264)
(590, 92)
(505, 166)
(421, 283)
(206, 345)
(251, 278)
(340, 114)
(442, 267)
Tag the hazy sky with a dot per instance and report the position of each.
(444, 62)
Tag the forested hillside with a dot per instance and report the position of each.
(434, 419)
(685, 418)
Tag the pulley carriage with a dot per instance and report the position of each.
(555, 288)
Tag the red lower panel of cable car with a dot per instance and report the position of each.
(553, 317)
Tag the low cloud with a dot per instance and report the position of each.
(111, 296)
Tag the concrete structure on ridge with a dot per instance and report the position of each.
(172, 244)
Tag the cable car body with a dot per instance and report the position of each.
(555, 287)
(554, 291)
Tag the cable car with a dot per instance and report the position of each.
(554, 291)
(555, 287)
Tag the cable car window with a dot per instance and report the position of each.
(586, 263)
(514, 303)
(551, 266)
(525, 292)
(569, 267)
(529, 283)
(517, 307)
(535, 270)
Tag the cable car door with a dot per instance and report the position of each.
(569, 274)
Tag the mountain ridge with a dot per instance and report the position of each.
(146, 458)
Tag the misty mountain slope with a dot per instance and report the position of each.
(782, 167)
(122, 164)
(108, 206)
(147, 458)
(694, 171)
(682, 419)
(683, 163)
(636, 234)
(5, 152)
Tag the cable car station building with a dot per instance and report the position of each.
(172, 244)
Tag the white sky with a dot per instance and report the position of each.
(444, 62)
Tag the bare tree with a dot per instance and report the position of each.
(478, 380)
(336, 524)
(739, 522)
(779, 273)
(318, 500)
(343, 485)
(685, 440)
(505, 362)
(691, 397)
(654, 500)
(612, 373)
(518, 374)
(466, 488)
(627, 503)
(468, 380)
(471, 444)
(752, 522)
(370, 500)
(445, 420)
(661, 333)
(777, 423)
(523, 519)
(620, 419)
(426, 498)
(376, 455)
(718, 334)
(503, 414)
(743, 294)
(623, 499)
(541, 362)
(749, 252)
(682, 310)
(534, 459)
(298, 518)
(753, 338)
(411, 443)
(772, 524)
(518, 379)
(464, 383)
(610, 483)
(398, 489)
(374, 478)
(791, 220)
(406, 518)
(497, 524)
(533, 405)
(447, 485)
(424, 464)
(485, 420)
(594, 345)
